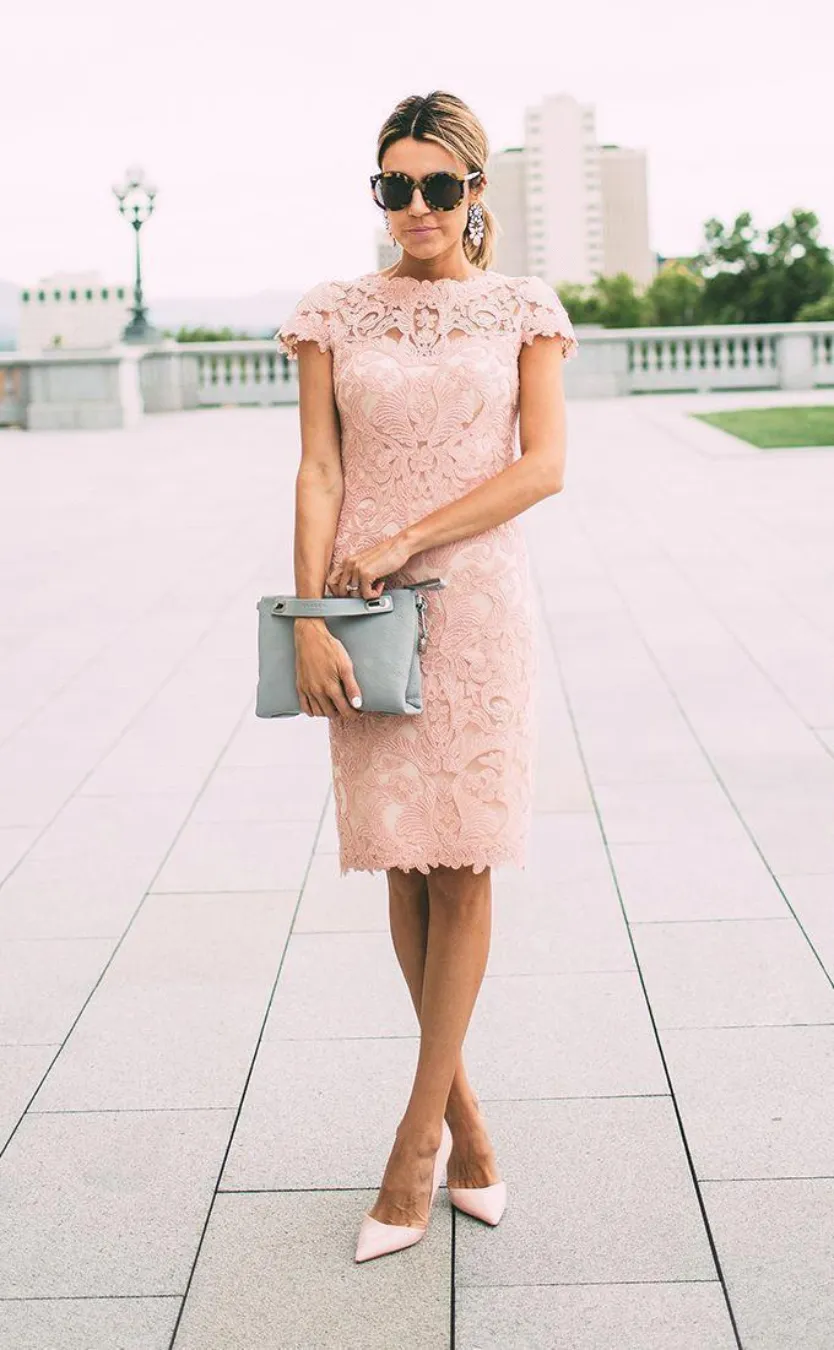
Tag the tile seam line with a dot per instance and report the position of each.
(112, 744)
(238, 723)
(786, 599)
(707, 1227)
(245, 1088)
(641, 636)
(743, 505)
(112, 640)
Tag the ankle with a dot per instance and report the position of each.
(463, 1113)
(421, 1135)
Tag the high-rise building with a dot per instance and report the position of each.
(568, 209)
(564, 191)
(625, 213)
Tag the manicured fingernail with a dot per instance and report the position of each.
(357, 702)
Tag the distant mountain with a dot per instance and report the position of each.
(257, 315)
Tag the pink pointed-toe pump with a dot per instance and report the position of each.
(379, 1239)
(482, 1202)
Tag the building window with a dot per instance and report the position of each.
(104, 292)
(25, 297)
(73, 295)
(121, 293)
(41, 295)
(56, 295)
(88, 295)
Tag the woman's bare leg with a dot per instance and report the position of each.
(441, 929)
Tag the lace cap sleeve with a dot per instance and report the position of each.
(309, 321)
(542, 312)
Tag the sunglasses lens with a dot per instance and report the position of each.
(443, 191)
(395, 192)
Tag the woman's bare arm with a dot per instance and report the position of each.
(538, 473)
(324, 673)
(319, 484)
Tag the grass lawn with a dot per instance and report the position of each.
(776, 428)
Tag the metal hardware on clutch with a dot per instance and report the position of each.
(433, 584)
(422, 626)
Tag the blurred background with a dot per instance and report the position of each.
(636, 152)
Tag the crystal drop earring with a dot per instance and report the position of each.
(475, 223)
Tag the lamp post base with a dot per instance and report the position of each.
(139, 330)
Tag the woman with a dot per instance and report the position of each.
(411, 381)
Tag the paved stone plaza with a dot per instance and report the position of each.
(205, 1040)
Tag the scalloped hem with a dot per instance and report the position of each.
(570, 345)
(479, 864)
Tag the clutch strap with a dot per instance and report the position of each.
(295, 606)
(335, 606)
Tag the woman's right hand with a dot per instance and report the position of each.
(324, 672)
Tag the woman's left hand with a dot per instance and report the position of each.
(364, 573)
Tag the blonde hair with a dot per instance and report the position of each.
(450, 122)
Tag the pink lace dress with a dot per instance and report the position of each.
(426, 381)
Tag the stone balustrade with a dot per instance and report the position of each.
(109, 388)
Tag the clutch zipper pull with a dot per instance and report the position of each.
(432, 584)
(422, 626)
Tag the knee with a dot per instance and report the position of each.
(460, 887)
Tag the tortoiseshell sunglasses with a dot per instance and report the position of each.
(441, 191)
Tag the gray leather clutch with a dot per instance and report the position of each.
(384, 638)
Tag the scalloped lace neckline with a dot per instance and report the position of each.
(480, 276)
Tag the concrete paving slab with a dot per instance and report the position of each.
(334, 985)
(774, 1241)
(586, 1035)
(43, 986)
(175, 1020)
(107, 1204)
(755, 1101)
(569, 926)
(116, 825)
(306, 1120)
(238, 855)
(257, 1286)
(330, 903)
(812, 898)
(21, 1070)
(15, 843)
(88, 1323)
(598, 1191)
(689, 635)
(681, 880)
(639, 813)
(264, 792)
(595, 1317)
(738, 972)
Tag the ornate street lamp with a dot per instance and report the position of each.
(136, 198)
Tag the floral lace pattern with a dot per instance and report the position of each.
(426, 380)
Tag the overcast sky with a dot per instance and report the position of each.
(258, 122)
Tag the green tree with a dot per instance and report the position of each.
(581, 302)
(620, 302)
(751, 277)
(674, 297)
(207, 335)
(611, 301)
(819, 311)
